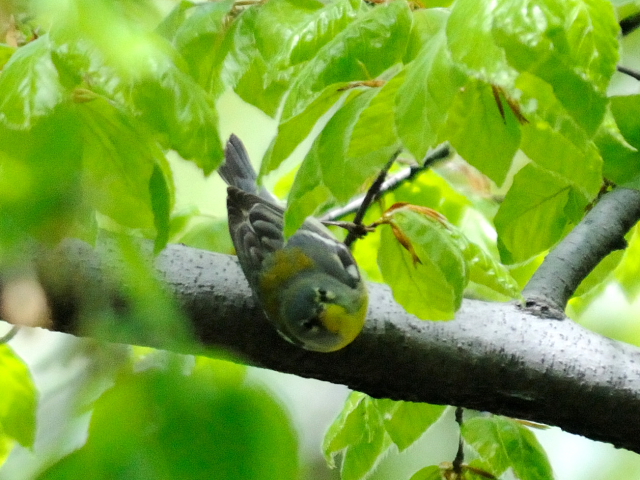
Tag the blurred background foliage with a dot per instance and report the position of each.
(113, 115)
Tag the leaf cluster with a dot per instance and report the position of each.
(93, 97)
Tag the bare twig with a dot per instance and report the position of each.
(630, 24)
(9, 335)
(441, 153)
(628, 71)
(369, 198)
(459, 459)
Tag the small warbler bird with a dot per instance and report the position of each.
(309, 286)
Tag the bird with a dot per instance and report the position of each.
(309, 286)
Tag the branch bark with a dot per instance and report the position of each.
(492, 357)
(600, 232)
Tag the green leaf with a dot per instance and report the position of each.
(161, 203)
(202, 232)
(503, 443)
(362, 51)
(162, 424)
(18, 400)
(579, 166)
(471, 42)
(479, 133)
(361, 459)
(119, 158)
(628, 272)
(347, 429)
(29, 85)
(269, 43)
(179, 110)
(432, 82)
(572, 45)
(197, 32)
(359, 433)
(328, 174)
(429, 189)
(321, 27)
(6, 52)
(488, 272)
(431, 288)
(295, 129)
(432, 472)
(599, 276)
(406, 422)
(40, 178)
(622, 159)
(374, 129)
(536, 213)
(175, 19)
(574, 156)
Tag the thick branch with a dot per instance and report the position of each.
(601, 232)
(492, 357)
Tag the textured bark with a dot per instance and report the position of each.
(600, 232)
(493, 357)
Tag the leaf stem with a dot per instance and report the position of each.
(459, 459)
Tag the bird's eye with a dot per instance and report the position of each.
(325, 295)
(311, 323)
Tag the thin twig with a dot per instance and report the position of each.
(630, 24)
(459, 460)
(370, 197)
(628, 71)
(441, 153)
(9, 335)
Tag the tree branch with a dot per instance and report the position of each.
(601, 232)
(492, 357)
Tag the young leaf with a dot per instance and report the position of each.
(119, 158)
(432, 472)
(572, 45)
(488, 272)
(432, 82)
(18, 400)
(622, 159)
(40, 181)
(406, 422)
(295, 129)
(479, 133)
(536, 213)
(363, 50)
(503, 443)
(359, 433)
(179, 110)
(471, 42)
(347, 429)
(269, 44)
(29, 85)
(430, 288)
(163, 424)
(197, 32)
(374, 129)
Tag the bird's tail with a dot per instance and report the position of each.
(237, 169)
